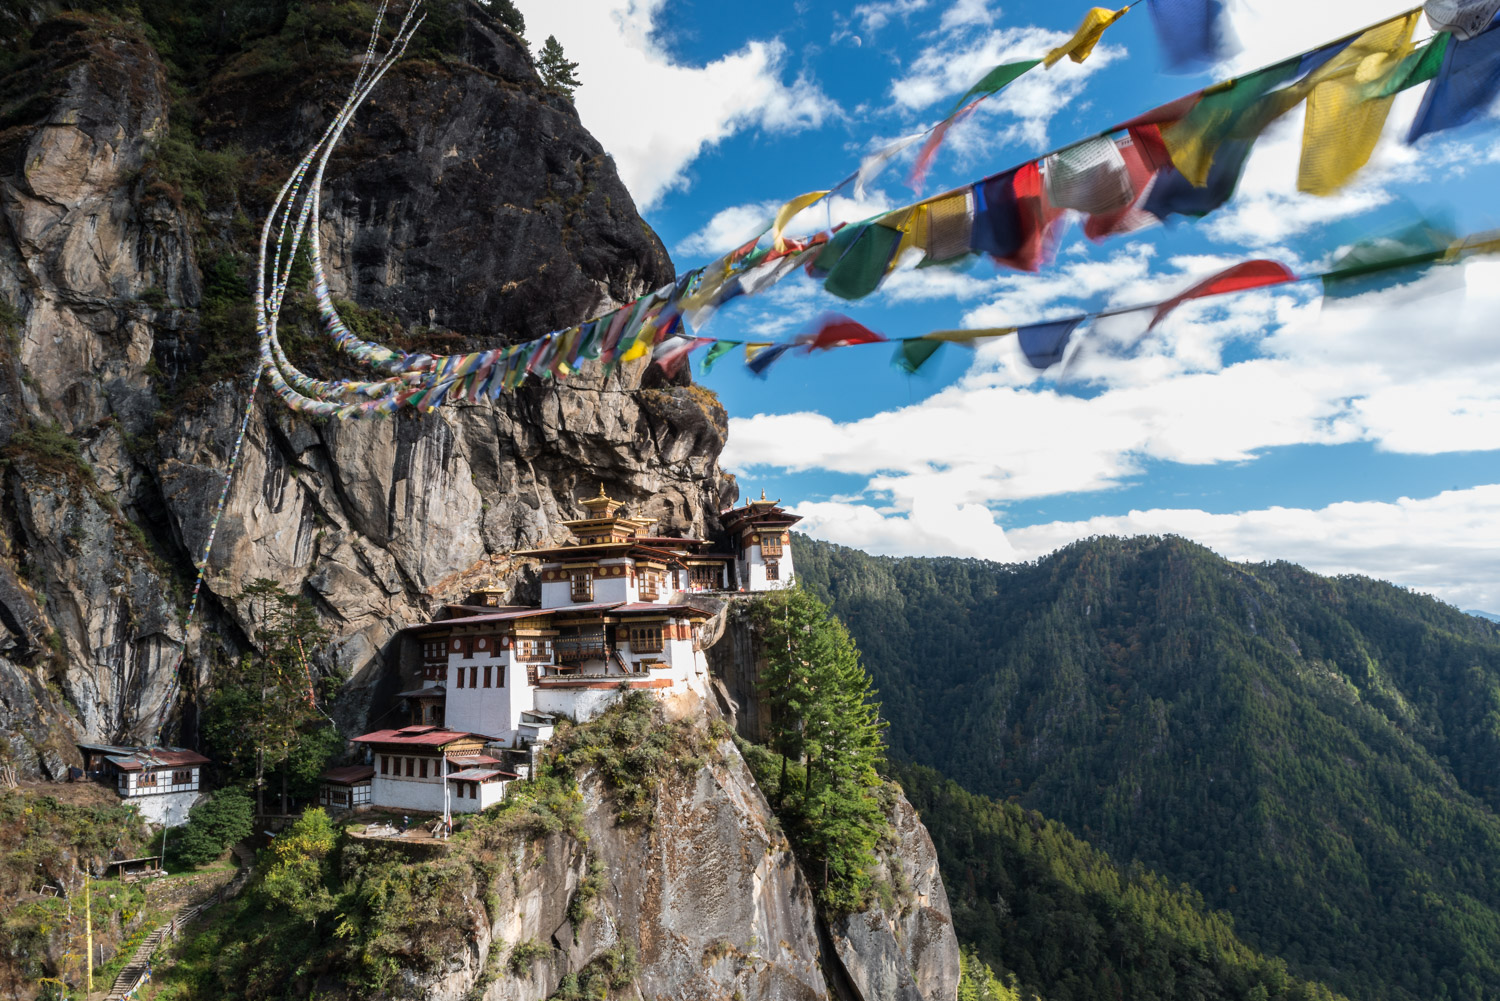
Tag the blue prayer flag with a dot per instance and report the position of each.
(1172, 194)
(1044, 343)
(1464, 88)
(762, 361)
(1194, 34)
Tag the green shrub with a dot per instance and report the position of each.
(228, 816)
(524, 955)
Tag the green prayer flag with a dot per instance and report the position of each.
(861, 268)
(913, 354)
(1000, 76)
(719, 350)
(1418, 67)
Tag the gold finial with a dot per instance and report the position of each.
(762, 493)
(601, 488)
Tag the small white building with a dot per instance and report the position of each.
(346, 788)
(163, 783)
(761, 533)
(430, 770)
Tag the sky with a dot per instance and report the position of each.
(1357, 436)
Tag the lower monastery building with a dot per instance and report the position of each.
(616, 615)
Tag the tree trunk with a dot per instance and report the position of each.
(781, 786)
(284, 810)
(260, 781)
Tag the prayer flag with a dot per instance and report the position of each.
(1464, 18)
(999, 77)
(1044, 343)
(1144, 155)
(1343, 125)
(836, 331)
(1382, 262)
(1173, 194)
(1237, 109)
(862, 267)
(719, 350)
(786, 212)
(950, 227)
(913, 224)
(1247, 274)
(1086, 37)
(913, 354)
(763, 358)
(1090, 177)
(1013, 222)
(968, 336)
(1418, 67)
(1465, 86)
(1194, 34)
(934, 140)
(871, 166)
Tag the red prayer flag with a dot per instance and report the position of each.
(930, 147)
(837, 331)
(1246, 274)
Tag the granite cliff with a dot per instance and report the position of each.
(470, 207)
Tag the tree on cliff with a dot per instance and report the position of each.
(555, 68)
(826, 729)
(262, 716)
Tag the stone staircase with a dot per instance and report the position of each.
(135, 973)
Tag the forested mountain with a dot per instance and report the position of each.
(1318, 757)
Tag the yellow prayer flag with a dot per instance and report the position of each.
(912, 224)
(1086, 37)
(966, 336)
(1342, 125)
(786, 212)
(754, 348)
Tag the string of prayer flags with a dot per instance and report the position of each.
(929, 149)
(760, 357)
(1461, 18)
(1343, 124)
(1384, 261)
(1194, 34)
(1465, 86)
(1245, 275)
(1145, 158)
(859, 270)
(1090, 30)
(1044, 344)
(1236, 109)
(997, 79)
(871, 166)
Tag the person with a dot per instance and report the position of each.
(405, 823)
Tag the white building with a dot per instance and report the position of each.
(761, 534)
(346, 788)
(163, 783)
(616, 615)
(430, 770)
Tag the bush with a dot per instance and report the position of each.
(227, 817)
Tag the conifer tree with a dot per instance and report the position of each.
(555, 68)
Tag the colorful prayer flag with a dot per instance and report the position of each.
(1194, 34)
(1465, 86)
(1086, 37)
(719, 350)
(1245, 275)
(1463, 18)
(837, 331)
(913, 354)
(786, 212)
(1044, 343)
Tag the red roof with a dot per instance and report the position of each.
(157, 757)
(648, 606)
(431, 738)
(349, 774)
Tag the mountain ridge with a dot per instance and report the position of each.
(1316, 755)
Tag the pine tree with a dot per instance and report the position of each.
(555, 68)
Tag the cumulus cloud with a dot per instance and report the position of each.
(1446, 545)
(625, 75)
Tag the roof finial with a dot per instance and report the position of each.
(601, 488)
(762, 493)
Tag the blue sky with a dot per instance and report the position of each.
(1361, 437)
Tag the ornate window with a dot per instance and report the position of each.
(705, 578)
(182, 777)
(148, 778)
(770, 545)
(583, 585)
(645, 639)
(773, 569)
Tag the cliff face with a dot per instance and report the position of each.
(469, 200)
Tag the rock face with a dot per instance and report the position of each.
(469, 199)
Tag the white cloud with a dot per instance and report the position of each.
(946, 69)
(625, 76)
(732, 227)
(1447, 545)
(1272, 30)
(964, 13)
(932, 527)
(874, 16)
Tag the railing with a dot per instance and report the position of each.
(586, 648)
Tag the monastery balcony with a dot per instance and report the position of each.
(573, 651)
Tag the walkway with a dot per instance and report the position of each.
(134, 975)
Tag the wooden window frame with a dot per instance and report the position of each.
(422, 768)
(770, 544)
(647, 639)
(581, 585)
(147, 778)
(182, 777)
(411, 767)
(487, 675)
(773, 569)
